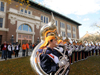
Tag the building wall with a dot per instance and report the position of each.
(13, 19)
(4, 35)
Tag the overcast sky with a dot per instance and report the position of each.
(86, 12)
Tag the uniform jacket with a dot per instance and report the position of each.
(47, 63)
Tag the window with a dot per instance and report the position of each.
(41, 18)
(1, 22)
(25, 11)
(29, 12)
(68, 27)
(25, 27)
(74, 35)
(74, 29)
(56, 22)
(30, 30)
(69, 34)
(20, 27)
(63, 33)
(62, 25)
(22, 10)
(2, 6)
(44, 19)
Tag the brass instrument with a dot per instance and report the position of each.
(46, 30)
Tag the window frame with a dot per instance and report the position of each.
(1, 22)
(68, 35)
(26, 10)
(62, 25)
(3, 6)
(63, 33)
(44, 19)
(74, 29)
(68, 27)
(56, 23)
(73, 35)
(23, 29)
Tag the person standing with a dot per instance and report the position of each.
(27, 48)
(31, 47)
(17, 48)
(4, 51)
(9, 51)
(23, 49)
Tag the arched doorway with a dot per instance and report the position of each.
(24, 38)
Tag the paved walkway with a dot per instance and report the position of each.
(13, 56)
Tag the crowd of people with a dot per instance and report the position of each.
(9, 49)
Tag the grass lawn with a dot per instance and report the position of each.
(90, 66)
(21, 66)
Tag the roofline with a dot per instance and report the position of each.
(54, 12)
(33, 3)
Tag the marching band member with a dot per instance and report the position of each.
(99, 48)
(89, 53)
(79, 52)
(75, 53)
(71, 57)
(86, 50)
(96, 48)
(91, 50)
(49, 58)
(82, 54)
(93, 47)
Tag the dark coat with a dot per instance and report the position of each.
(47, 63)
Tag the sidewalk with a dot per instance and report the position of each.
(13, 56)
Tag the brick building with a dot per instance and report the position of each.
(19, 25)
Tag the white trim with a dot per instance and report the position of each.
(16, 36)
(4, 29)
(69, 31)
(16, 13)
(23, 32)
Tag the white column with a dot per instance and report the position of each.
(32, 38)
(16, 36)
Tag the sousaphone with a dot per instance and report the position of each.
(45, 31)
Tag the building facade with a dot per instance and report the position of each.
(20, 25)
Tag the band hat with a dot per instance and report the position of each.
(64, 42)
(59, 41)
(48, 38)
